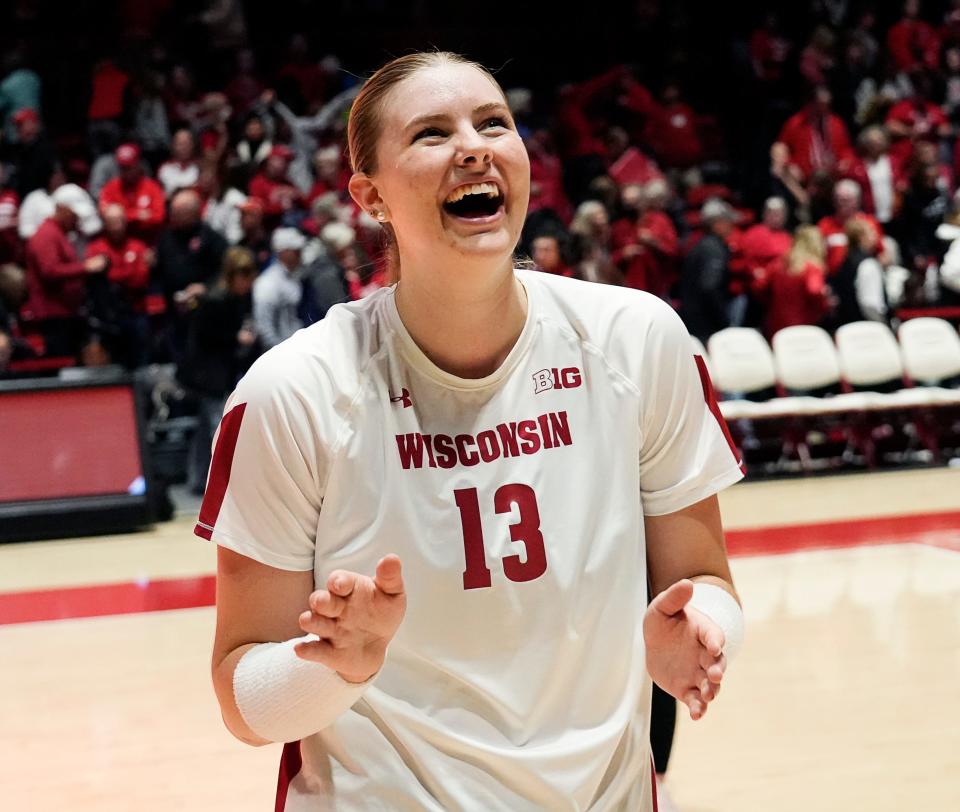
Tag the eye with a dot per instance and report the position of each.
(496, 121)
(427, 132)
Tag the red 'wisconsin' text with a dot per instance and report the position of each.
(550, 430)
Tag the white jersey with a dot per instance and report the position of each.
(517, 679)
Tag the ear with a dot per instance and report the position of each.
(365, 194)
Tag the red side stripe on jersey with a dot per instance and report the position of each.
(710, 397)
(220, 471)
(291, 762)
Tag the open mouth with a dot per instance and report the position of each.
(474, 202)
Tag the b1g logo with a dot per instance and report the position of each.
(566, 378)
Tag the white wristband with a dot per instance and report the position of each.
(283, 698)
(722, 608)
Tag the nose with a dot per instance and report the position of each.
(473, 148)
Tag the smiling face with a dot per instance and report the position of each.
(452, 175)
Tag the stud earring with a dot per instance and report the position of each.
(381, 216)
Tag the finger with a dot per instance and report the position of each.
(716, 671)
(694, 703)
(342, 582)
(318, 624)
(324, 603)
(708, 690)
(674, 597)
(711, 637)
(317, 651)
(389, 577)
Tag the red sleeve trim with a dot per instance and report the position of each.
(220, 467)
(711, 399)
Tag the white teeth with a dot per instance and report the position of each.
(488, 189)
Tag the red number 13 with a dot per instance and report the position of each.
(527, 530)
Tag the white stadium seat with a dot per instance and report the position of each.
(869, 354)
(931, 350)
(742, 361)
(806, 359)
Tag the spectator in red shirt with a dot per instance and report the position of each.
(56, 276)
(547, 254)
(581, 130)
(644, 240)
(765, 245)
(916, 119)
(118, 302)
(141, 197)
(817, 60)
(108, 101)
(272, 186)
(847, 204)
(546, 177)
(128, 258)
(913, 43)
(816, 138)
(795, 291)
(769, 50)
(880, 175)
(672, 131)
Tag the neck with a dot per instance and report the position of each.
(466, 324)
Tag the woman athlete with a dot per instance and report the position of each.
(437, 510)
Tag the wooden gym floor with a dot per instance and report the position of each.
(846, 696)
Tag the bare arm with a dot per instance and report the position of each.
(688, 544)
(255, 604)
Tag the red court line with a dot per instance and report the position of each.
(107, 599)
(934, 529)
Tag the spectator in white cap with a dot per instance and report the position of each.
(278, 291)
(56, 275)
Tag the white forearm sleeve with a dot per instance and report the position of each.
(722, 608)
(283, 698)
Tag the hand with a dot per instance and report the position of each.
(355, 618)
(246, 338)
(684, 649)
(645, 235)
(195, 290)
(95, 264)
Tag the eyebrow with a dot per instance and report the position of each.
(431, 117)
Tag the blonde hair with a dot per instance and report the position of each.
(856, 229)
(808, 246)
(582, 223)
(237, 261)
(365, 124)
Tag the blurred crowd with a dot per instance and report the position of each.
(199, 225)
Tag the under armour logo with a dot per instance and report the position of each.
(403, 397)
